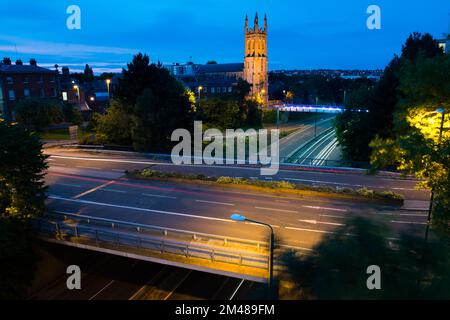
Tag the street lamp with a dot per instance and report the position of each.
(200, 88)
(240, 218)
(78, 93)
(108, 82)
(441, 129)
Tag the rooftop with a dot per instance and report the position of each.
(219, 68)
(14, 68)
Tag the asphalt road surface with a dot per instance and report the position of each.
(108, 277)
(77, 187)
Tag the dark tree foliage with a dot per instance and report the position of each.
(337, 268)
(88, 74)
(382, 104)
(17, 259)
(153, 102)
(423, 44)
(22, 190)
(22, 196)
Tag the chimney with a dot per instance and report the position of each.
(33, 62)
(6, 61)
(19, 62)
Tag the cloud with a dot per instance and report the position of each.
(69, 50)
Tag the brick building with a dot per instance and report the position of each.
(19, 81)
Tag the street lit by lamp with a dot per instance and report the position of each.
(92, 98)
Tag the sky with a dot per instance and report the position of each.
(303, 34)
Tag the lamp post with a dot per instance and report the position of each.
(430, 210)
(200, 88)
(108, 82)
(240, 218)
(78, 93)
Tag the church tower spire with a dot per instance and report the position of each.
(256, 23)
(246, 23)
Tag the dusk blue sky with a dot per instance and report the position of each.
(302, 34)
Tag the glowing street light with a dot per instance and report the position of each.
(78, 92)
(240, 218)
(108, 82)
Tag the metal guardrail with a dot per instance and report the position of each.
(114, 235)
(160, 231)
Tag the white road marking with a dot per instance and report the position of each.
(408, 222)
(67, 185)
(83, 167)
(310, 230)
(413, 215)
(176, 287)
(275, 209)
(331, 216)
(139, 209)
(322, 222)
(93, 189)
(112, 190)
(237, 289)
(157, 196)
(110, 283)
(325, 208)
(214, 202)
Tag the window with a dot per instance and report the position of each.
(54, 92)
(64, 96)
(9, 80)
(11, 95)
(42, 92)
(26, 80)
(230, 89)
(26, 92)
(205, 89)
(213, 90)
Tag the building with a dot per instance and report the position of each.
(256, 60)
(19, 81)
(445, 44)
(221, 79)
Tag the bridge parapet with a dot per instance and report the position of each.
(228, 256)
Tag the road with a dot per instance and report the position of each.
(107, 277)
(300, 222)
(310, 131)
(111, 166)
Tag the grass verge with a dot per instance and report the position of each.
(270, 186)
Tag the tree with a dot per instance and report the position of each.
(114, 127)
(382, 104)
(417, 148)
(152, 103)
(337, 267)
(71, 114)
(22, 196)
(37, 114)
(221, 113)
(22, 190)
(88, 74)
(16, 257)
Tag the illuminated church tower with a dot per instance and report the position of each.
(256, 61)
